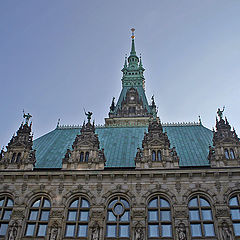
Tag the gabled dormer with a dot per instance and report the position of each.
(226, 144)
(85, 153)
(132, 106)
(156, 151)
(19, 154)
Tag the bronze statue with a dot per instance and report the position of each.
(27, 117)
(89, 115)
(220, 113)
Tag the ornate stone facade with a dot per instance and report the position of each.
(157, 198)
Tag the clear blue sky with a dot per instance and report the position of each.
(60, 56)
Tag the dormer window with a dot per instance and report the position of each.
(153, 155)
(81, 156)
(226, 154)
(86, 156)
(159, 155)
(232, 154)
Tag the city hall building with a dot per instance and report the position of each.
(133, 178)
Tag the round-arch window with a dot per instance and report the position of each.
(159, 218)
(234, 204)
(38, 217)
(118, 219)
(78, 218)
(6, 206)
(226, 154)
(201, 219)
(232, 154)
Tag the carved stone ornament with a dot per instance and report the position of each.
(180, 214)
(139, 232)
(222, 212)
(226, 232)
(13, 231)
(56, 214)
(97, 214)
(138, 214)
(95, 235)
(19, 214)
(181, 232)
(54, 231)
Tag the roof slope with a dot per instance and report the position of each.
(120, 145)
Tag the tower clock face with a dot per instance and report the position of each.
(132, 98)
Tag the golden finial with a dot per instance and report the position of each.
(133, 30)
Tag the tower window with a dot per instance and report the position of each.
(153, 155)
(13, 158)
(18, 157)
(38, 218)
(86, 156)
(235, 213)
(232, 154)
(6, 206)
(200, 216)
(81, 156)
(159, 219)
(226, 153)
(159, 155)
(118, 219)
(77, 219)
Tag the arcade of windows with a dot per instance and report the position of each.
(159, 217)
(229, 154)
(156, 155)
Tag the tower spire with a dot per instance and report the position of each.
(133, 51)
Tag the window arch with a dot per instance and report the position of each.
(232, 154)
(86, 156)
(13, 157)
(38, 217)
(159, 218)
(201, 218)
(77, 218)
(18, 158)
(6, 206)
(81, 156)
(159, 155)
(226, 153)
(118, 219)
(153, 155)
(234, 205)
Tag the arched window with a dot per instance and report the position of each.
(159, 219)
(118, 219)
(18, 158)
(232, 154)
(77, 218)
(38, 217)
(226, 153)
(234, 204)
(159, 155)
(13, 158)
(153, 155)
(86, 156)
(6, 206)
(81, 156)
(201, 219)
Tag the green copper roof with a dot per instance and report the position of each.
(120, 145)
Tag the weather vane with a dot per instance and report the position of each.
(26, 116)
(133, 30)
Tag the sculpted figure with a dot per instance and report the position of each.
(226, 232)
(95, 232)
(13, 231)
(181, 232)
(53, 233)
(139, 233)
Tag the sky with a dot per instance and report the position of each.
(58, 57)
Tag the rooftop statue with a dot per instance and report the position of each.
(89, 115)
(220, 113)
(27, 117)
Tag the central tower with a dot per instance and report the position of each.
(132, 106)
